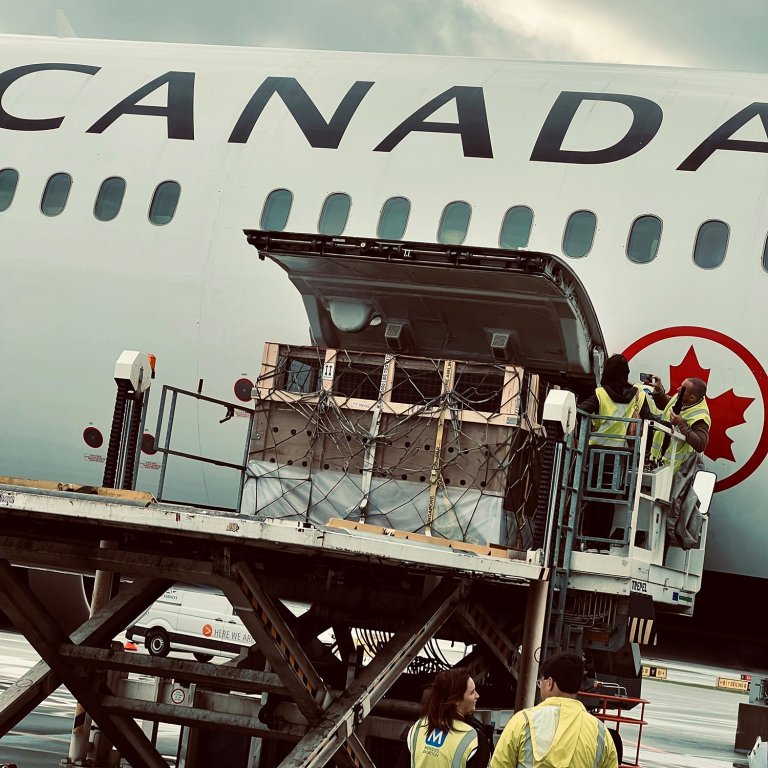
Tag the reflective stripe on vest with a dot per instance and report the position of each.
(541, 725)
(441, 749)
(413, 737)
(696, 412)
(527, 761)
(601, 736)
(613, 433)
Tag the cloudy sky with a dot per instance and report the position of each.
(697, 33)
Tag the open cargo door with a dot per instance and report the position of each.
(443, 301)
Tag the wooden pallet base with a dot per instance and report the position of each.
(492, 550)
(52, 485)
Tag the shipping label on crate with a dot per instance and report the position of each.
(329, 370)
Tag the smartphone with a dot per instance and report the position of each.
(646, 378)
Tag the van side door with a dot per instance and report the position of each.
(203, 619)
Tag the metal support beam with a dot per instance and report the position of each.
(340, 720)
(344, 641)
(198, 717)
(492, 636)
(353, 581)
(476, 663)
(211, 675)
(264, 621)
(21, 697)
(533, 639)
(45, 636)
(354, 753)
(36, 553)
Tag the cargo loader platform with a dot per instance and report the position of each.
(406, 592)
(420, 479)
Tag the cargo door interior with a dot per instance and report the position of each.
(441, 301)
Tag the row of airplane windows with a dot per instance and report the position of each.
(578, 237)
(109, 198)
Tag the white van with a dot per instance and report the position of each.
(199, 621)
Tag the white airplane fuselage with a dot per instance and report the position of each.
(76, 291)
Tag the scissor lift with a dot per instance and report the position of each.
(303, 703)
(318, 705)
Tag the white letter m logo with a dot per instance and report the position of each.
(436, 738)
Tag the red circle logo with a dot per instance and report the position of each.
(207, 630)
(727, 409)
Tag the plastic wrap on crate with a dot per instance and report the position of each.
(293, 493)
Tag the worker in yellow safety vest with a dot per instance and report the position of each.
(448, 735)
(691, 418)
(559, 731)
(616, 398)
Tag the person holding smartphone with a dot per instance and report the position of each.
(688, 412)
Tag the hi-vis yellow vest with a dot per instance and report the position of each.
(558, 732)
(613, 433)
(696, 412)
(441, 749)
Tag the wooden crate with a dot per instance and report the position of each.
(286, 370)
(385, 416)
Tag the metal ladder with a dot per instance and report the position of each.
(577, 476)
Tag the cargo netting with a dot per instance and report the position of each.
(438, 447)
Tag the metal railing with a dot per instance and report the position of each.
(167, 451)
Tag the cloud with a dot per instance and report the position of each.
(575, 32)
(703, 33)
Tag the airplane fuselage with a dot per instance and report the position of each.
(231, 125)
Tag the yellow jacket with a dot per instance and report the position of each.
(613, 433)
(441, 749)
(693, 413)
(558, 733)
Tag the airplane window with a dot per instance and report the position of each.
(277, 206)
(164, 202)
(644, 237)
(516, 227)
(9, 178)
(579, 234)
(394, 218)
(711, 244)
(109, 199)
(454, 223)
(55, 194)
(333, 217)
(765, 253)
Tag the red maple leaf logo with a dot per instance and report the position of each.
(727, 409)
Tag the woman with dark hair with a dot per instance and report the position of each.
(448, 735)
